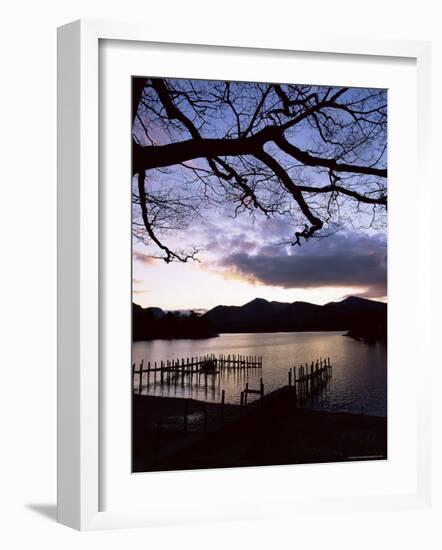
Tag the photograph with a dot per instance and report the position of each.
(222, 298)
(259, 273)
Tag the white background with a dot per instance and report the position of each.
(27, 301)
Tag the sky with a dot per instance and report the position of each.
(248, 256)
(242, 259)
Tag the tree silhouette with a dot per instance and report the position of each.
(314, 154)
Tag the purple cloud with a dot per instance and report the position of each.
(340, 260)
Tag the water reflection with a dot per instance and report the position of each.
(359, 382)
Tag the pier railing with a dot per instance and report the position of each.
(191, 368)
(307, 380)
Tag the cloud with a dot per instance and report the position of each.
(342, 260)
(141, 257)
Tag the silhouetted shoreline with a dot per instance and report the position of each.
(276, 433)
(362, 318)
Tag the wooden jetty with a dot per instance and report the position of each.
(307, 380)
(248, 391)
(193, 419)
(180, 370)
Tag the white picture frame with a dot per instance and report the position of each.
(79, 254)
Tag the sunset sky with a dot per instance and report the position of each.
(247, 256)
(241, 260)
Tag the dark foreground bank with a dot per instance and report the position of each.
(276, 432)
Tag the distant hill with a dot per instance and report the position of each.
(359, 316)
(362, 318)
(252, 315)
(153, 323)
(354, 302)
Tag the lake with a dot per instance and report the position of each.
(358, 383)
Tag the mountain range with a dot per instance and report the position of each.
(361, 317)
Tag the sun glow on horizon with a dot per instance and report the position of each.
(193, 286)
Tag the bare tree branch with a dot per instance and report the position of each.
(264, 147)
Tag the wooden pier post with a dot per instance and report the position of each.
(140, 382)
